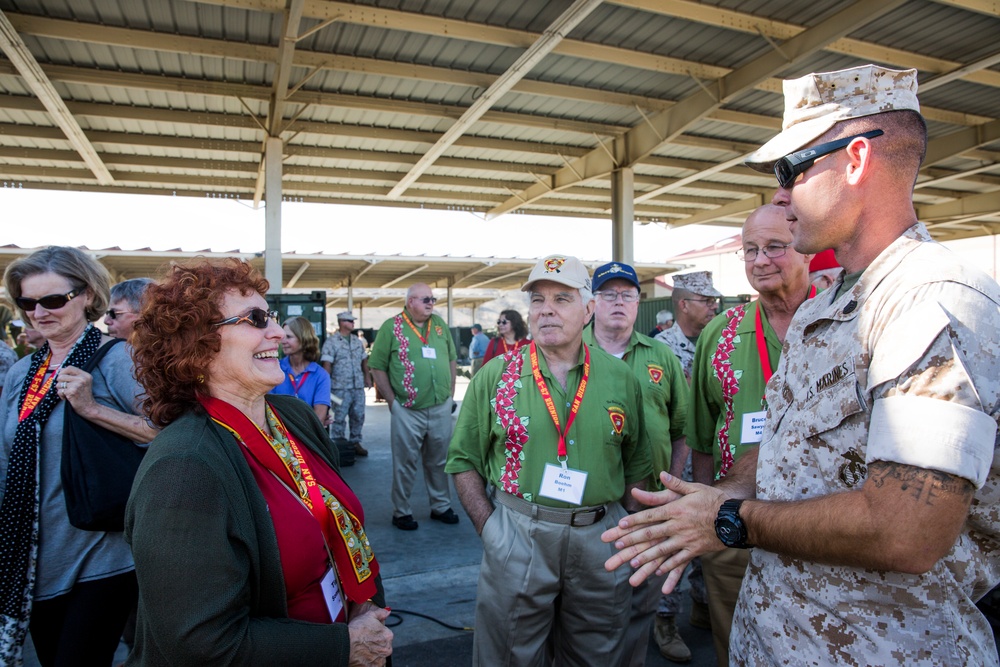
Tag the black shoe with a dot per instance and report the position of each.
(407, 523)
(447, 516)
(359, 450)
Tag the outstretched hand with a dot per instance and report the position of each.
(679, 526)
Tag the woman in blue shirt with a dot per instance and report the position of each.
(304, 378)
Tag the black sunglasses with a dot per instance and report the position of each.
(501, 321)
(257, 318)
(788, 168)
(113, 314)
(426, 299)
(49, 301)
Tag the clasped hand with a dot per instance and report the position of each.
(679, 526)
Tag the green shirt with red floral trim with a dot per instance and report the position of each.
(419, 380)
(505, 433)
(727, 362)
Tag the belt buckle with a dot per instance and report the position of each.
(597, 514)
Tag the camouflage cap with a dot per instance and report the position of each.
(345, 316)
(816, 102)
(697, 282)
(563, 269)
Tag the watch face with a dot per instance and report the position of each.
(728, 533)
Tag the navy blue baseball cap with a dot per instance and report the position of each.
(613, 270)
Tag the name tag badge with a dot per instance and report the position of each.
(563, 484)
(429, 353)
(331, 594)
(753, 427)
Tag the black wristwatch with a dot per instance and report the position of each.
(729, 527)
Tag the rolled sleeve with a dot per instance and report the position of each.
(934, 434)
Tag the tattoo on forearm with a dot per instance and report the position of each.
(924, 485)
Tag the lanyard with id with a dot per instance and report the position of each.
(426, 351)
(561, 482)
(752, 430)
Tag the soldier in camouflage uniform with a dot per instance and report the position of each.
(345, 358)
(695, 300)
(872, 501)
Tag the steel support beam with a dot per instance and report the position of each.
(622, 215)
(272, 212)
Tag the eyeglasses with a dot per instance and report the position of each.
(611, 296)
(499, 322)
(788, 168)
(49, 301)
(708, 301)
(771, 251)
(426, 299)
(113, 314)
(257, 318)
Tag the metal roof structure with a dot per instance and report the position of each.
(530, 106)
(368, 280)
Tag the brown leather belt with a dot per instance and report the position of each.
(582, 516)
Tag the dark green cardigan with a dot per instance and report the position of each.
(211, 589)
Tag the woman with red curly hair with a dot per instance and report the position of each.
(249, 547)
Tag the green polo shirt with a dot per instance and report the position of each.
(611, 457)
(707, 415)
(431, 377)
(664, 396)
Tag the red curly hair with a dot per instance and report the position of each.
(174, 338)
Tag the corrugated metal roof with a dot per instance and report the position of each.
(175, 96)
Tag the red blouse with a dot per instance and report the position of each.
(498, 346)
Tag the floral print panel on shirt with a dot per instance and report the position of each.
(515, 426)
(404, 359)
(730, 381)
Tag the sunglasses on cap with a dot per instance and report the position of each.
(257, 318)
(788, 168)
(49, 301)
(114, 314)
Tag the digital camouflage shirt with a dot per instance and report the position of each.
(903, 367)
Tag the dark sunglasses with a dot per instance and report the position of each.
(49, 301)
(788, 168)
(426, 299)
(257, 318)
(501, 322)
(113, 314)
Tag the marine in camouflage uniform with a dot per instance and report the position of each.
(346, 360)
(873, 500)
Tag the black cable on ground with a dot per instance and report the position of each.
(399, 619)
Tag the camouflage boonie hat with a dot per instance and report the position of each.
(816, 102)
(563, 269)
(697, 282)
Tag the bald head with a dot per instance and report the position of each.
(776, 268)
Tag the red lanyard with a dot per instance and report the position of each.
(765, 359)
(547, 397)
(297, 386)
(36, 390)
(423, 339)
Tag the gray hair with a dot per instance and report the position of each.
(586, 295)
(131, 292)
(76, 266)
(664, 316)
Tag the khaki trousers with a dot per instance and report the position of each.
(420, 435)
(544, 596)
(645, 600)
(724, 571)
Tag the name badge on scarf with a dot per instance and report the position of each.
(331, 594)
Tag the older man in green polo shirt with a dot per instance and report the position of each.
(665, 404)
(413, 361)
(732, 364)
(549, 444)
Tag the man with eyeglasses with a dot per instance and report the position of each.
(695, 303)
(664, 407)
(126, 302)
(413, 360)
(872, 499)
(549, 443)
